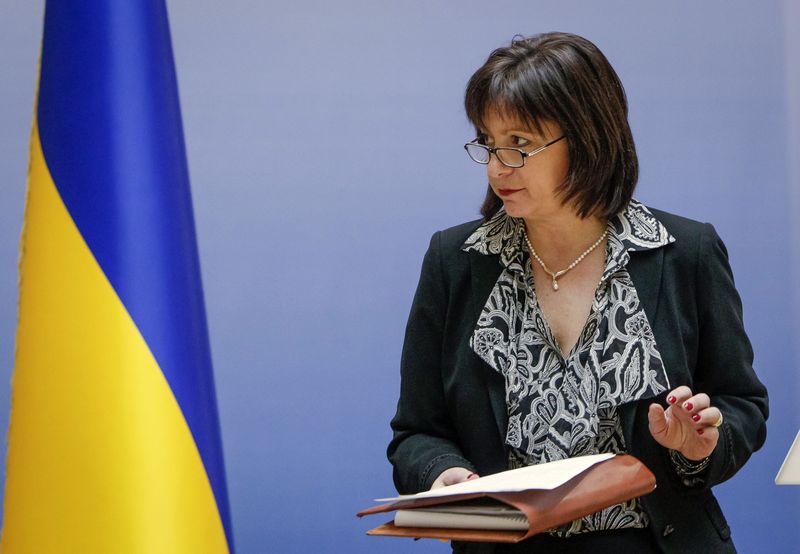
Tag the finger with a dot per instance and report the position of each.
(457, 475)
(706, 417)
(676, 399)
(679, 395)
(657, 420)
(451, 476)
(708, 435)
(695, 403)
(472, 476)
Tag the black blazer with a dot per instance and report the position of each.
(452, 411)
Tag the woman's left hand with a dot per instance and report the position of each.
(687, 425)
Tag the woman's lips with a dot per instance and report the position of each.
(507, 192)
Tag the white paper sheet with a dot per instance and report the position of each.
(542, 476)
(789, 474)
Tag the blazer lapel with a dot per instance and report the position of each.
(645, 269)
(485, 272)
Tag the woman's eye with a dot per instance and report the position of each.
(519, 141)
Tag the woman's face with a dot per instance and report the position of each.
(529, 191)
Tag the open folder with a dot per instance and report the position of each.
(516, 504)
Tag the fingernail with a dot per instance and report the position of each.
(699, 431)
(696, 417)
(688, 406)
(671, 399)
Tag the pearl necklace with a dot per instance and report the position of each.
(557, 274)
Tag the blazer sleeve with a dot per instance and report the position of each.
(424, 442)
(725, 363)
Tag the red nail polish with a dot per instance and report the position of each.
(699, 431)
(688, 406)
(696, 417)
(671, 399)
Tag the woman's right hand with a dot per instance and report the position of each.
(452, 476)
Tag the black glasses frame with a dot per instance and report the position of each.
(525, 155)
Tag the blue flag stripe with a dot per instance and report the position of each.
(110, 128)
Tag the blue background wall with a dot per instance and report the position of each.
(325, 147)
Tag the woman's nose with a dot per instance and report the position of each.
(495, 168)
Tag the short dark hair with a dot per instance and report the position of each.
(564, 78)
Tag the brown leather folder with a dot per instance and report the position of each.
(604, 484)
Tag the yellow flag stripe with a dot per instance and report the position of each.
(100, 458)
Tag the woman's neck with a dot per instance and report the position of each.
(563, 236)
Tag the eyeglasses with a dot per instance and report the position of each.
(509, 157)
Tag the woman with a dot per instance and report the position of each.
(572, 320)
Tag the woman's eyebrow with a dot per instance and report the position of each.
(518, 131)
(509, 131)
(515, 131)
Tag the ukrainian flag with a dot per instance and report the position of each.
(114, 441)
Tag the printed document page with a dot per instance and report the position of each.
(542, 476)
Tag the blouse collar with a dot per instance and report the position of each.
(633, 229)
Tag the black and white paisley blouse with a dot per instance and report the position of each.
(561, 407)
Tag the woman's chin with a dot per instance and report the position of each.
(514, 209)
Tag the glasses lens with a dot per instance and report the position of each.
(510, 157)
(478, 153)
